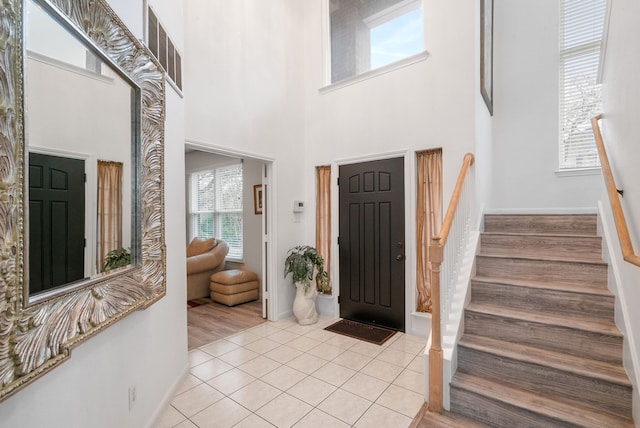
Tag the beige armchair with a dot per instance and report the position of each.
(204, 257)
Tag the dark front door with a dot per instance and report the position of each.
(372, 248)
(56, 221)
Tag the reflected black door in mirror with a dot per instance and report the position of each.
(56, 221)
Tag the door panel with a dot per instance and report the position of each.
(372, 242)
(56, 221)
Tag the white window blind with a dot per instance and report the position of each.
(215, 208)
(581, 32)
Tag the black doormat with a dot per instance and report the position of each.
(366, 332)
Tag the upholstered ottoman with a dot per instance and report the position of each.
(232, 287)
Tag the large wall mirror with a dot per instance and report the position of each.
(81, 180)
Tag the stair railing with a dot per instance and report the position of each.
(444, 261)
(618, 214)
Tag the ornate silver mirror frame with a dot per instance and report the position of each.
(36, 338)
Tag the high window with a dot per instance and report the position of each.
(581, 33)
(366, 35)
(215, 206)
(50, 42)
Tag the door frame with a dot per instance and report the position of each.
(268, 285)
(409, 225)
(90, 205)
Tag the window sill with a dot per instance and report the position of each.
(576, 172)
(69, 67)
(373, 73)
(174, 86)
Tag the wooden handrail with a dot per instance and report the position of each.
(436, 251)
(618, 215)
(467, 161)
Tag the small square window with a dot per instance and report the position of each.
(369, 35)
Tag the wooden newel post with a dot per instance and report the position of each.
(436, 254)
(435, 353)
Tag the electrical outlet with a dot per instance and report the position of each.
(132, 397)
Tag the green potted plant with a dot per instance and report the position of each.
(305, 265)
(119, 257)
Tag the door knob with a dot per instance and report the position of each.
(400, 257)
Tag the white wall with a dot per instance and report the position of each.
(249, 96)
(525, 125)
(243, 79)
(620, 127)
(484, 136)
(621, 106)
(148, 349)
(428, 104)
(425, 105)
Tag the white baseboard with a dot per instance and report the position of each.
(631, 360)
(420, 324)
(284, 315)
(166, 400)
(327, 305)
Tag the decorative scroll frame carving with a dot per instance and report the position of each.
(36, 338)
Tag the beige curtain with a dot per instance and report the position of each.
(109, 209)
(323, 217)
(429, 219)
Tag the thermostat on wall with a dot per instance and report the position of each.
(298, 206)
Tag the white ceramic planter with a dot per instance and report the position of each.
(304, 304)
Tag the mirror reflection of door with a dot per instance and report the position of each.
(56, 221)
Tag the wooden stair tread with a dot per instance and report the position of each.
(569, 412)
(599, 262)
(578, 323)
(542, 223)
(544, 285)
(604, 371)
(542, 235)
(572, 246)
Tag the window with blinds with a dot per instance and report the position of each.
(215, 206)
(581, 33)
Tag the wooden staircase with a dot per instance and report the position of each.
(540, 347)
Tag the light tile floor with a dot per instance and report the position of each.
(286, 375)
